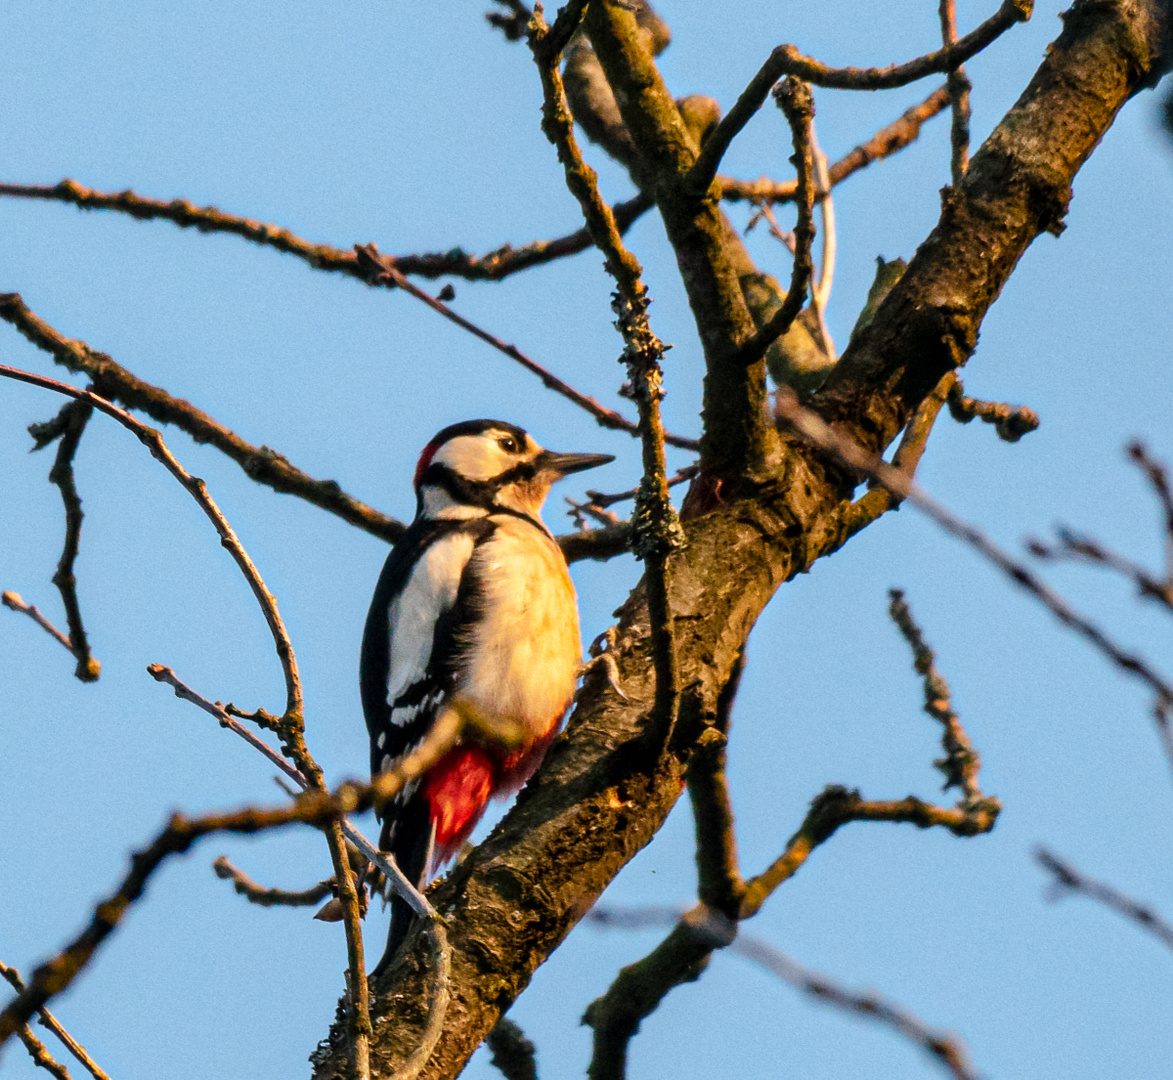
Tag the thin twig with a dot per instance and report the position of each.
(1010, 421)
(1076, 547)
(836, 806)
(262, 464)
(656, 531)
(68, 426)
(492, 266)
(366, 264)
(876, 502)
(959, 88)
(387, 867)
(48, 1020)
(603, 500)
(40, 1054)
(383, 272)
(263, 897)
(1068, 879)
(812, 428)
(796, 102)
(887, 141)
(961, 763)
(947, 1049)
(317, 808)
(1158, 477)
(15, 602)
(787, 60)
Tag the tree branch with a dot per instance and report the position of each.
(597, 800)
(1010, 421)
(656, 532)
(265, 466)
(492, 266)
(787, 60)
(1068, 879)
(68, 426)
(15, 602)
(959, 88)
(48, 1020)
(796, 102)
(887, 141)
(513, 1054)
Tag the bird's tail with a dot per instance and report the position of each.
(409, 837)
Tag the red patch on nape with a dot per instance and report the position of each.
(424, 461)
(456, 789)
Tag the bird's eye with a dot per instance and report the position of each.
(508, 443)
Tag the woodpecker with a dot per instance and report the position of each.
(474, 608)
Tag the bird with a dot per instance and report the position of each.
(474, 610)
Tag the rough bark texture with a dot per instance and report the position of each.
(606, 788)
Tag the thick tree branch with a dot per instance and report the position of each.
(656, 532)
(513, 1053)
(597, 801)
(737, 439)
(1017, 186)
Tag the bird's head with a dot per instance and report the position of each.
(469, 469)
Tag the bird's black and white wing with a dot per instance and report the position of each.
(406, 668)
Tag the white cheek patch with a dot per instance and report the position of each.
(477, 457)
(429, 593)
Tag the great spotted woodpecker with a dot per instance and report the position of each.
(474, 609)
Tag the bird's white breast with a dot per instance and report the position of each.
(523, 653)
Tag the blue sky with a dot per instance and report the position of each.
(417, 128)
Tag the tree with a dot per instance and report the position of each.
(766, 504)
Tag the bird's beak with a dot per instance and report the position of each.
(557, 466)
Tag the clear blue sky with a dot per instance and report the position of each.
(416, 127)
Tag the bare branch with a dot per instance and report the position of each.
(1076, 547)
(796, 102)
(961, 763)
(602, 500)
(787, 60)
(492, 266)
(1068, 879)
(1010, 421)
(40, 1054)
(719, 882)
(263, 897)
(959, 88)
(656, 531)
(945, 1048)
(879, 500)
(15, 602)
(1158, 477)
(68, 426)
(383, 272)
(265, 466)
(48, 1020)
(811, 427)
(512, 1052)
(385, 865)
(887, 141)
